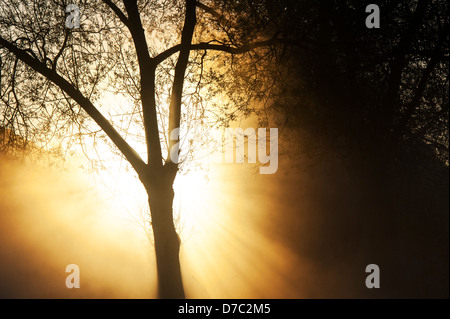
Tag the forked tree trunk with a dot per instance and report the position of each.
(167, 242)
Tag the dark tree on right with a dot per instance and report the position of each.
(372, 105)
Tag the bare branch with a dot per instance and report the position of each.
(147, 72)
(217, 47)
(180, 69)
(117, 11)
(55, 60)
(220, 18)
(415, 103)
(131, 155)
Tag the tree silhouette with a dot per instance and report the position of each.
(53, 75)
(380, 93)
(374, 89)
(371, 105)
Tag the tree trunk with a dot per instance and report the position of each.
(167, 242)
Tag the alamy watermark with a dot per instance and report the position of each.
(73, 19)
(236, 145)
(373, 19)
(73, 279)
(373, 279)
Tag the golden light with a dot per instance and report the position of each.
(100, 221)
(222, 215)
(225, 252)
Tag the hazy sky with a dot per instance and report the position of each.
(238, 228)
(307, 231)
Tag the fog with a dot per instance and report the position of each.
(50, 219)
(308, 231)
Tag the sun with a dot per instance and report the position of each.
(191, 190)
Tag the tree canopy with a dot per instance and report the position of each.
(151, 77)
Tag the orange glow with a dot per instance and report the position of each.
(225, 252)
(52, 219)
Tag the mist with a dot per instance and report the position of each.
(50, 219)
(308, 231)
